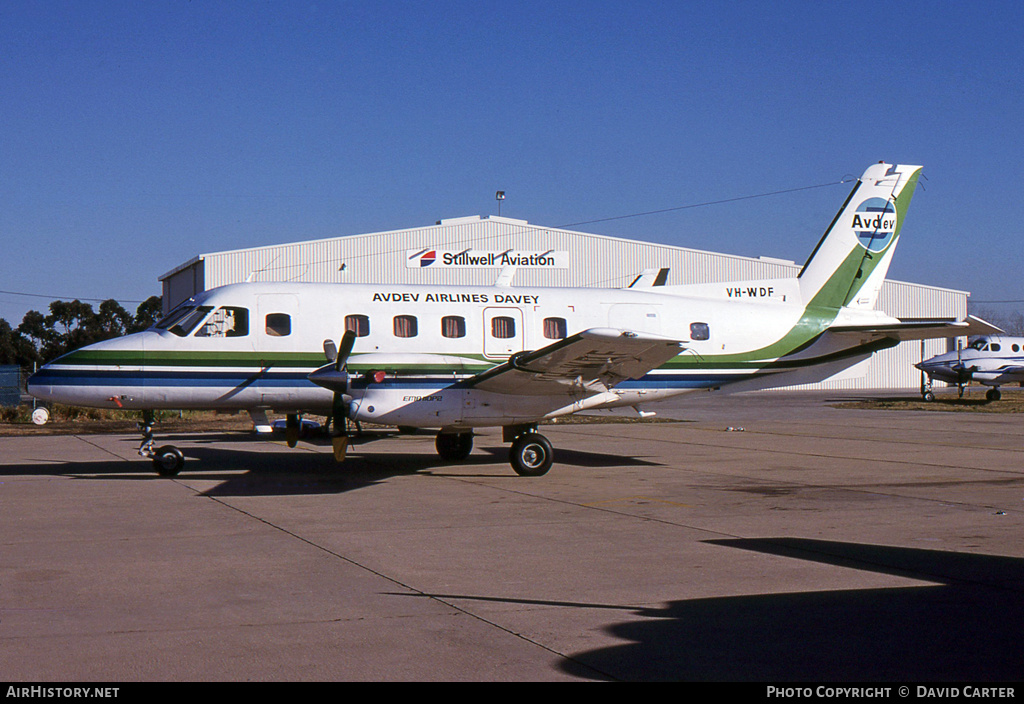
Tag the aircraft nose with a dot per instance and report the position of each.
(38, 384)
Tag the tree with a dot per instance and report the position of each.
(73, 324)
(15, 348)
(34, 329)
(148, 312)
(70, 325)
(111, 321)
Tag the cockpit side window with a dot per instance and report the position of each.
(227, 321)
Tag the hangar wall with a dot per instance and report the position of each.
(560, 258)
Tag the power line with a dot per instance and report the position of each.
(66, 298)
(710, 202)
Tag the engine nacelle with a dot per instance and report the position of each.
(418, 407)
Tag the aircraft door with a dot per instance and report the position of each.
(503, 332)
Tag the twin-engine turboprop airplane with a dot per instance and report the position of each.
(455, 358)
(992, 360)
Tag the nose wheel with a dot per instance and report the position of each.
(167, 459)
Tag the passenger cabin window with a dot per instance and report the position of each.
(503, 327)
(279, 324)
(359, 324)
(700, 331)
(226, 321)
(1015, 347)
(555, 328)
(453, 326)
(995, 347)
(405, 326)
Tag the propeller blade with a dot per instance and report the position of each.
(345, 349)
(339, 443)
(330, 351)
(339, 421)
(291, 432)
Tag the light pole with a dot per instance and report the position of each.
(499, 196)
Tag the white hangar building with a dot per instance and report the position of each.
(476, 250)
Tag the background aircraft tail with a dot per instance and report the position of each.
(848, 266)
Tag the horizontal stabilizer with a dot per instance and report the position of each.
(918, 329)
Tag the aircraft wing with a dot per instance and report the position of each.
(917, 329)
(588, 362)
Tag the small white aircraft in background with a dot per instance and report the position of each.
(992, 360)
(455, 358)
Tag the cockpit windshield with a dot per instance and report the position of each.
(184, 319)
(979, 344)
(226, 321)
(175, 315)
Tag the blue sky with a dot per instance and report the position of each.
(135, 135)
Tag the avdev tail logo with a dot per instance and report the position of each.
(874, 223)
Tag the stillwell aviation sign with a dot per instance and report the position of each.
(479, 259)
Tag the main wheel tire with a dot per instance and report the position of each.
(531, 455)
(454, 447)
(929, 396)
(993, 394)
(168, 460)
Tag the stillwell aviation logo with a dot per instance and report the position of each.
(874, 223)
(478, 259)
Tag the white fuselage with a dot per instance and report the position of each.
(251, 346)
(435, 356)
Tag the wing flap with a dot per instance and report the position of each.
(588, 362)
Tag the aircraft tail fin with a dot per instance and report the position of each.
(849, 264)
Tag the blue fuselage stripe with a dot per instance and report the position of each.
(208, 379)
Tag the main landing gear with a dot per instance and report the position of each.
(531, 454)
(167, 459)
(454, 447)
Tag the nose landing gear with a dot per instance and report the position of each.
(167, 459)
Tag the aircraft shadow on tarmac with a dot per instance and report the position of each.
(963, 627)
(248, 467)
